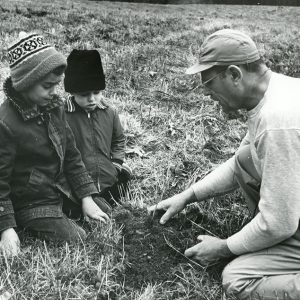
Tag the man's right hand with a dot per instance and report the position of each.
(10, 243)
(173, 205)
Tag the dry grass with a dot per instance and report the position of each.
(174, 133)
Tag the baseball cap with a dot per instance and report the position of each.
(225, 47)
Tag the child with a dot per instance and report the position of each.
(96, 125)
(39, 162)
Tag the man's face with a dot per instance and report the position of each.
(219, 86)
(43, 91)
(88, 100)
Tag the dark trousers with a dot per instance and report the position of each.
(114, 193)
(64, 228)
(60, 229)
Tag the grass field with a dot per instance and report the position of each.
(174, 135)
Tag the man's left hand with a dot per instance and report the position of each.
(209, 250)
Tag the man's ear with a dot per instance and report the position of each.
(235, 73)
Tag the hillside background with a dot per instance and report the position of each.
(232, 2)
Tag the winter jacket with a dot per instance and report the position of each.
(100, 139)
(38, 161)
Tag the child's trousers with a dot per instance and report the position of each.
(269, 274)
(114, 193)
(62, 228)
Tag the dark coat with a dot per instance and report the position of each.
(38, 161)
(100, 139)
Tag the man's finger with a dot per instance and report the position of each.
(166, 217)
(155, 207)
(151, 208)
(190, 252)
(201, 238)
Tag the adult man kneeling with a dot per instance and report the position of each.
(266, 168)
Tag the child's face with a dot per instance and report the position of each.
(88, 100)
(43, 91)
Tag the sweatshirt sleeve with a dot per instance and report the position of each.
(7, 157)
(279, 205)
(118, 141)
(218, 182)
(221, 180)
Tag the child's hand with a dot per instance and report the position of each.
(10, 243)
(91, 210)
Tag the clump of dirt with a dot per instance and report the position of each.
(152, 251)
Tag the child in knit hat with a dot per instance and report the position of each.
(96, 125)
(40, 165)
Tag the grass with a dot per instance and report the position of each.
(174, 133)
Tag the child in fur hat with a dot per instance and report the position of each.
(96, 125)
(40, 165)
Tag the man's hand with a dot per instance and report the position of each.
(209, 250)
(10, 243)
(173, 205)
(91, 210)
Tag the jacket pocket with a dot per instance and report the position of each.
(36, 186)
(38, 183)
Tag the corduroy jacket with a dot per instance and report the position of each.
(100, 139)
(38, 161)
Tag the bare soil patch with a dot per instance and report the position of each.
(153, 251)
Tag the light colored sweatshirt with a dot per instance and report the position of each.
(274, 137)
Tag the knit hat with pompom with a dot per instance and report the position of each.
(31, 58)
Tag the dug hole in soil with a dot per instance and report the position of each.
(153, 250)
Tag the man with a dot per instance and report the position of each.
(266, 168)
(40, 165)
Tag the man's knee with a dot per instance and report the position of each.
(233, 280)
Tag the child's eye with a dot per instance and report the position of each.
(83, 94)
(96, 92)
(49, 85)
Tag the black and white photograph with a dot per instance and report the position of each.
(150, 150)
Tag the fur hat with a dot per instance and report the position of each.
(84, 72)
(30, 59)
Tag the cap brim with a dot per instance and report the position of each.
(198, 68)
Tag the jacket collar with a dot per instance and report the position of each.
(71, 105)
(26, 109)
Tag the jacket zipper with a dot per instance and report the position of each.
(94, 145)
